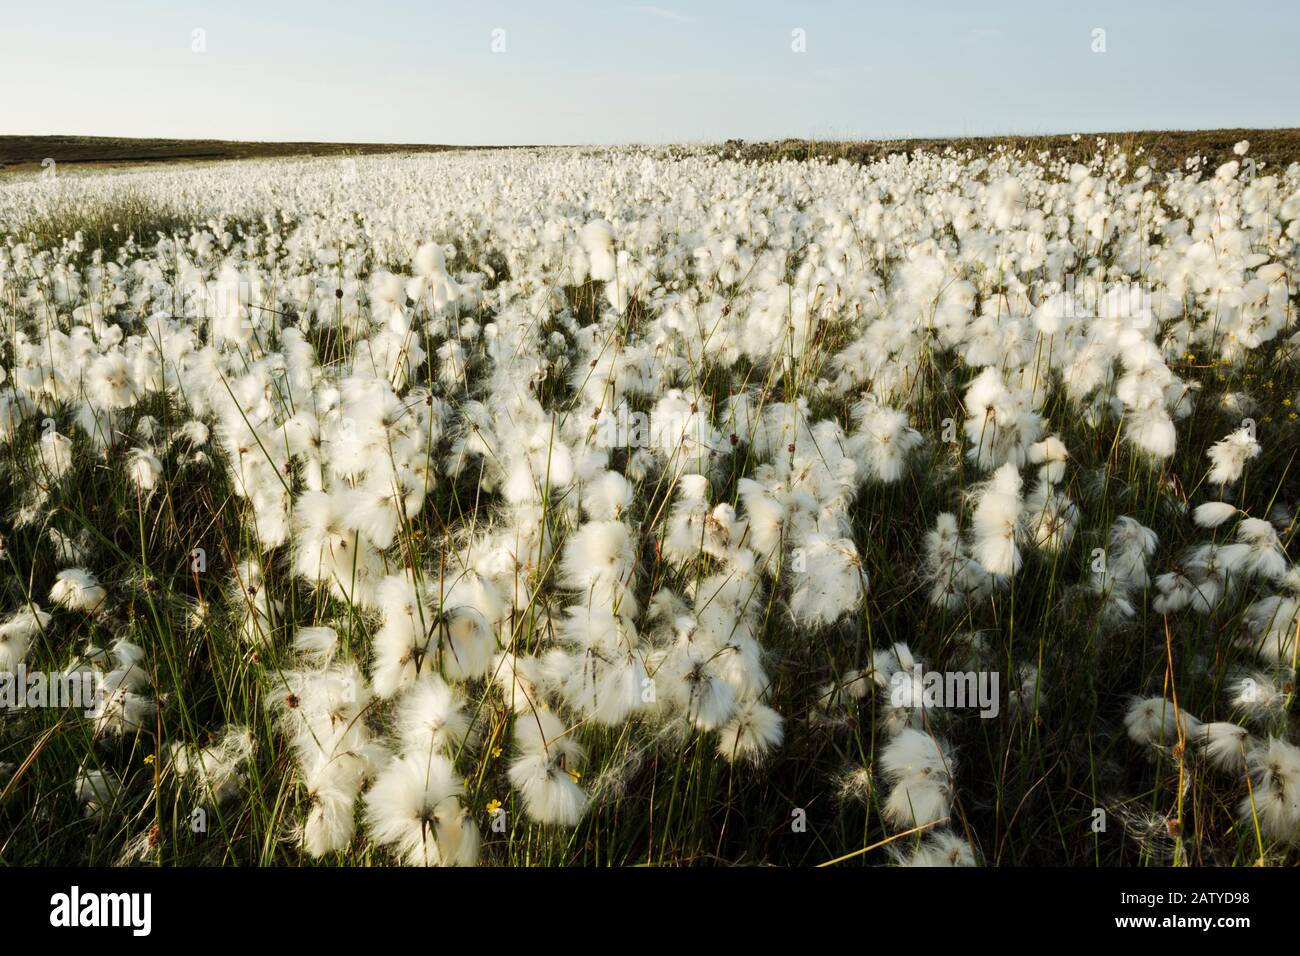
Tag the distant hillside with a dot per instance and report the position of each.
(1276, 147)
(31, 150)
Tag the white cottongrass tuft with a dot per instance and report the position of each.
(77, 589)
(1229, 455)
(921, 771)
(1213, 513)
(547, 768)
(414, 807)
(1274, 797)
(996, 522)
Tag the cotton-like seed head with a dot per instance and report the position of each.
(751, 734)
(1153, 721)
(77, 590)
(1211, 514)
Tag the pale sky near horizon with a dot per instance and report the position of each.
(579, 71)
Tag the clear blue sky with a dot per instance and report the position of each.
(579, 71)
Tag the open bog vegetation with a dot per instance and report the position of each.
(667, 507)
(30, 153)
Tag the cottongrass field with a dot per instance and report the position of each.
(615, 507)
